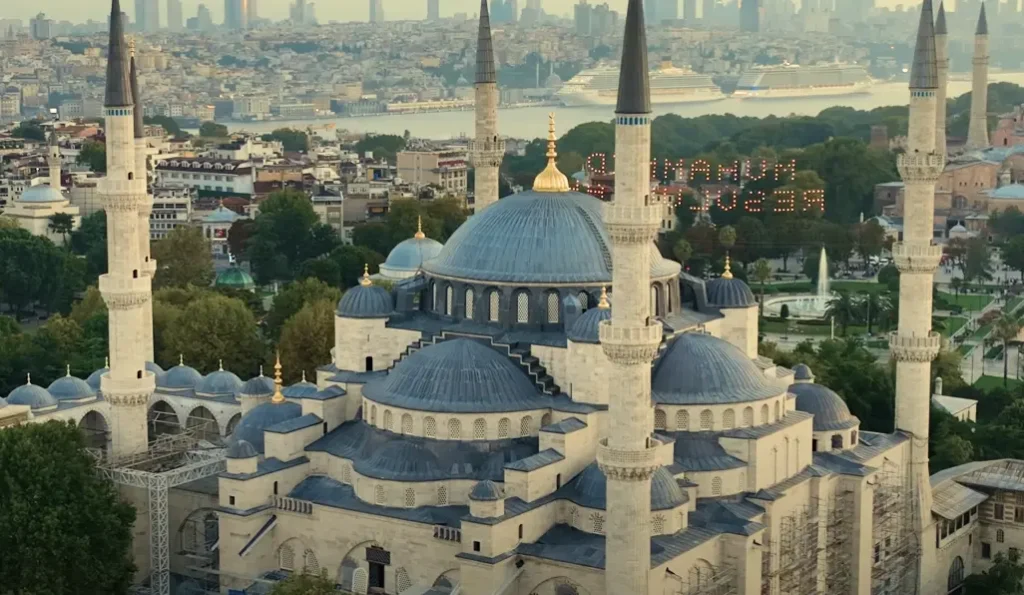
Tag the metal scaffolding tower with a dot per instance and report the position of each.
(895, 548)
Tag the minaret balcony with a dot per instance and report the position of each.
(914, 348)
(632, 464)
(487, 152)
(920, 167)
(633, 224)
(132, 392)
(916, 258)
(630, 345)
(124, 293)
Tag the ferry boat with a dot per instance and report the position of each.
(790, 81)
(669, 84)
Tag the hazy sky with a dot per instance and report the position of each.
(327, 10)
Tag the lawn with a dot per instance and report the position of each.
(859, 286)
(968, 302)
(990, 382)
(1013, 304)
(965, 349)
(951, 325)
(819, 330)
(982, 332)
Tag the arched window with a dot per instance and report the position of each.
(388, 420)
(433, 295)
(955, 580)
(748, 417)
(503, 427)
(493, 301)
(837, 441)
(406, 423)
(584, 299)
(707, 420)
(525, 426)
(449, 297)
(656, 309)
(777, 415)
(429, 427)
(764, 414)
(545, 420)
(442, 496)
(660, 419)
(682, 421)
(373, 415)
(797, 454)
(479, 429)
(286, 557)
(554, 306)
(729, 419)
(469, 303)
(410, 497)
(522, 307)
(716, 486)
(454, 429)
(310, 565)
(369, 363)
(658, 524)
(1000, 536)
(378, 494)
(853, 438)
(671, 296)
(598, 522)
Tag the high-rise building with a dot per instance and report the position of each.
(376, 11)
(174, 15)
(533, 5)
(708, 11)
(504, 11)
(433, 10)
(40, 27)
(147, 15)
(236, 14)
(582, 16)
(690, 11)
(750, 15)
(668, 10)
(252, 12)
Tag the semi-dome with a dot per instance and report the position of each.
(486, 491)
(409, 255)
(250, 428)
(828, 408)
(70, 388)
(534, 237)
(154, 368)
(456, 376)
(42, 193)
(802, 373)
(366, 301)
(730, 293)
(241, 449)
(235, 278)
(180, 377)
(699, 369)
(36, 397)
(589, 489)
(220, 382)
(260, 386)
(94, 379)
(402, 458)
(585, 329)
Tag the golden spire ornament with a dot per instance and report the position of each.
(365, 281)
(551, 180)
(603, 302)
(278, 397)
(419, 235)
(727, 271)
(131, 47)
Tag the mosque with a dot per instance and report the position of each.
(36, 206)
(544, 405)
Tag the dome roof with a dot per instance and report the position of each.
(94, 379)
(222, 214)
(34, 396)
(299, 390)
(486, 491)
(220, 382)
(235, 277)
(404, 458)
(241, 449)
(959, 228)
(730, 293)
(456, 376)
(803, 372)
(409, 255)
(366, 301)
(699, 369)
(260, 386)
(584, 330)
(533, 237)
(69, 388)
(250, 427)
(589, 489)
(829, 409)
(42, 193)
(179, 377)
(154, 368)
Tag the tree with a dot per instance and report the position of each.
(90, 241)
(214, 328)
(31, 268)
(29, 130)
(850, 169)
(1006, 330)
(62, 223)
(168, 123)
(843, 310)
(293, 298)
(1004, 577)
(55, 506)
(293, 141)
(93, 154)
(1013, 254)
(383, 146)
(870, 239)
(811, 265)
(762, 273)
(889, 276)
(8, 223)
(957, 285)
(183, 258)
(977, 264)
(238, 237)
(212, 129)
(874, 307)
(682, 250)
(304, 584)
(307, 339)
(727, 237)
(286, 233)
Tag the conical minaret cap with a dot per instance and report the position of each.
(133, 77)
(634, 89)
(485, 69)
(118, 92)
(940, 21)
(924, 73)
(982, 22)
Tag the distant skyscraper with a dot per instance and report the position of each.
(174, 15)
(533, 5)
(708, 11)
(690, 10)
(147, 15)
(376, 11)
(236, 14)
(668, 10)
(750, 15)
(433, 10)
(582, 17)
(203, 18)
(40, 27)
(252, 12)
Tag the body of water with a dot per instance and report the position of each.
(531, 122)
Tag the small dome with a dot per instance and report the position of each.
(730, 293)
(409, 255)
(829, 409)
(241, 449)
(802, 373)
(299, 390)
(366, 301)
(402, 458)
(69, 388)
(235, 278)
(958, 228)
(180, 377)
(589, 489)
(94, 379)
(154, 368)
(699, 369)
(456, 376)
(260, 386)
(36, 397)
(42, 193)
(486, 491)
(220, 382)
(222, 214)
(250, 427)
(585, 329)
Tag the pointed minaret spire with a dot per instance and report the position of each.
(942, 63)
(982, 22)
(487, 149)
(940, 21)
(485, 69)
(924, 72)
(119, 86)
(634, 90)
(977, 129)
(133, 77)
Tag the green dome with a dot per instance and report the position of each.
(235, 277)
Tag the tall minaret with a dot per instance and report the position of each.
(942, 62)
(631, 338)
(914, 345)
(487, 148)
(147, 265)
(53, 160)
(977, 133)
(128, 384)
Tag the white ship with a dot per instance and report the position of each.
(777, 82)
(599, 86)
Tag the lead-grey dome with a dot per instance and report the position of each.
(366, 301)
(260, 386)
(220, 382)
(829, 409)
(179, 377)
(699, 369)
(589, 489)
(585, 329)
(36, 397)
(70, 388)
(409, 255)
(730, 293)
(94, 379)
(803, 372)
(486, 491)
(43, 193)
(401, 458)
(250, 427)
(241, 449)
(456, 376)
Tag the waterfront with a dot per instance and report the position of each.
(531, 122)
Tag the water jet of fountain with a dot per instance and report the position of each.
(823, 288)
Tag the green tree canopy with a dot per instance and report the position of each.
(304, 584)
(32, 268)
(214, 328)
(168, 123)
(383, 146)
(1013, 254)
(293, 298)
(292, 140)
(307, 339)
(1004, 577)
(94, 155)
(286, 233)
(212, 129)
(183, 258)
(29, 130)
(90, 241)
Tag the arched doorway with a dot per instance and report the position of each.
(559, 585)
(955, 579)
(233, 423)
(162, 420)
(95, 431)
(203, 425)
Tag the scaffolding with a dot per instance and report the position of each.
(789, 564)
(895, 545)
(712, 580)
(839, 520)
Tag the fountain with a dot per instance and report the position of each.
(805, 306)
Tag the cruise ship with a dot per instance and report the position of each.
(669, 84)
(779, 82)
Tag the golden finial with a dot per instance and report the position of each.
(551, 180)
(220, 365)
(261, 369)
(419, 235)
(131, 46)
(727, 272)
(365, 281)
(68, 371)
(603, 302)
(278, 397)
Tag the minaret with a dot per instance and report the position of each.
(977, 133)
(942, 62)
(627, 455)
(147, 265)
(128, 384)
(914, 345)
(53, 160)
(487, 148)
